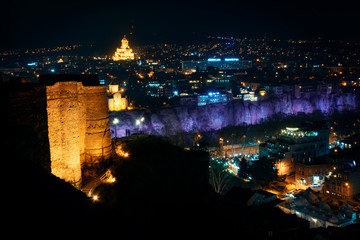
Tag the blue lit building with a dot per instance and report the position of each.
(221, 63)
(213, 97)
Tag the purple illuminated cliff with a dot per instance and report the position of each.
(180, 119)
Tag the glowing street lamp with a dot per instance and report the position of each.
(115, 122)
(139, 121)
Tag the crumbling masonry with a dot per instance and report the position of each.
(78, 128)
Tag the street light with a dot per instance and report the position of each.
(138, 122)
(115, 122)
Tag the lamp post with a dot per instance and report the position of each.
(138, 123)
(233, 145)
(115, 122)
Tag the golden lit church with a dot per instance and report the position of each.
(124, 52)
(116, 101)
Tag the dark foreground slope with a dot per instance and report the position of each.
(161, 187)
(160, 190)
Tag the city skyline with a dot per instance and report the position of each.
(128, 116)
(37, 24)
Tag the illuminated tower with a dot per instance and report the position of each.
(124, 52)
(78, 127)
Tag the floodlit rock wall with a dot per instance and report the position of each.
(78, 126)
(175, 120)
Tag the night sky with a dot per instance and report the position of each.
(103, 23)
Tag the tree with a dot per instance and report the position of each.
(244, 168)
(263, 171)
(219, 177)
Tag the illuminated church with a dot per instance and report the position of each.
(124, 52)
(116, 101)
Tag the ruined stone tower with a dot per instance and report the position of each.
(78, 126)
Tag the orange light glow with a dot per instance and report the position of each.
(112, 180)
(124, 52)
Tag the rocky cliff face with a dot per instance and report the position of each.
(180, 119)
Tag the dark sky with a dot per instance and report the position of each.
(52, 23)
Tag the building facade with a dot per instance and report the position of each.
(312, 174)
(117, 103)
(342, 183)
(296, 145)
(213, 97)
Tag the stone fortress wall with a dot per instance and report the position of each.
(79, 130)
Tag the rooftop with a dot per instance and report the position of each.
(314, 207)
(298, 133)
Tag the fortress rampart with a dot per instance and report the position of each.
(79, 130)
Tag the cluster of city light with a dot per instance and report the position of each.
(211, 97)
(226, 59)
(295, 132)
(231, 59)
(214, 59)
(230, 165)
(110, 178)
(341, 145)
(250, 96)
(213, 93)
